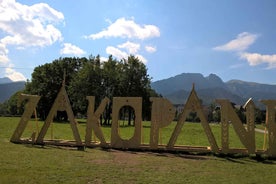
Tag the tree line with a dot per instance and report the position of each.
(87, 77)
(92, 77)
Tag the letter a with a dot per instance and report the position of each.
(61, 103)
(193, 104)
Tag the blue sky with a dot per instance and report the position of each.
(231, 38)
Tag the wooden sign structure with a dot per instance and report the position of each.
(162, 114)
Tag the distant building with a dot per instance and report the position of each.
(179, 109)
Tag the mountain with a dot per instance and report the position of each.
(256, 90)
(209, 88)
(5, 80)
(8, 88)
(185, 81)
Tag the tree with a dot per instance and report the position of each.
(213, 112)
(47, 80)
(91, 77)
(11, 107)
(260, 116)
(14, 106)
(87, 82)
(135, 82)
(217, 114)
(4, 109)
(111, 84)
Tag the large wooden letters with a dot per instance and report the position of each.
(136, 104)
(162, 115)
(61, 103)
(193, 104)
(93, 120)
(271, 126)
(30, 106)
(228, 115)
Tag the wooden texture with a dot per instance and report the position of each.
(193, 105)
(30, 106)
(228, 115)
(271, 126)
(61, 103)
(135, 140)
(162, 114)
(93, 120)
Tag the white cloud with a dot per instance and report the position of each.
(26, 26)
(69, 48)
(255, 59)
(241, 43)
(124, 28)
(129, 29)
(3, 54)
(141, 58)
(4, 59)
(235, 66)
(29, 25)
(46, 13)
(132, 48)
(103, 59)
(14, 75)
(150, 49)
(116, 52)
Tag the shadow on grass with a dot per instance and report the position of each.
(235, 158)
(160, 154)
(72, 148)
(243, 159)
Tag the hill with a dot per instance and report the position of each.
(5, 80)
(8, 88)
(256, 90)
(209, 88)
(185, 81)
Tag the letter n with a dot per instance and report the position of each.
(271, 126)
(228, 115)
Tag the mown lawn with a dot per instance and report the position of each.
(35, 164)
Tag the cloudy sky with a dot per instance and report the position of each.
(231, 38)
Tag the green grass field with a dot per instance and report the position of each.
(35, 164)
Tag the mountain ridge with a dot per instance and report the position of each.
(9, 87)
(185, 81)
(5, 80)
(177, 89)
(211, 87)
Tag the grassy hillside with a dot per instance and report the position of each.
(36, 164)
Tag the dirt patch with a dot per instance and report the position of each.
(119, 157)
(125, 157)
(131, 159)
